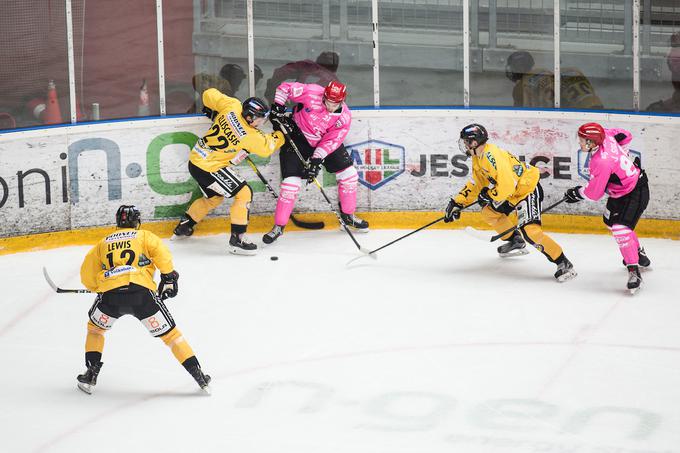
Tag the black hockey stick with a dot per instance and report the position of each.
(62, 290)
(372, 252)
(284, 131)
(477, 233)
(296, 222)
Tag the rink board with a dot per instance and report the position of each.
(69, 178)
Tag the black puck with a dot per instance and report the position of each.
(274, 258)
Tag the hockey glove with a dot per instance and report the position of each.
(277, 111)
(210, 113)
(573, 195)
(312, 171)
(452, 211)
(167, 288)
(484, 198)
(620, 137)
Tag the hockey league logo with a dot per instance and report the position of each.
(377, 162)
(584, 160)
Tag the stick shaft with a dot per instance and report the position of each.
(300, 223)
(419, 229)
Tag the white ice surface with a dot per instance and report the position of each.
(438, 346)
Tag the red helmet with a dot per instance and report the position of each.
(335, 91)
(593, 132)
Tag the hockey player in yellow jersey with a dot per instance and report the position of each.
(509, 193)
(120, 269)
(233, 135)
(536, 87)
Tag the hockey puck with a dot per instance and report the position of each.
(274, 258)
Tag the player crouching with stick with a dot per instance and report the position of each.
(120, 270)
(516, 189)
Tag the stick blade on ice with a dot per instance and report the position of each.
(49, 280)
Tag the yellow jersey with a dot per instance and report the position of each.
(123, 257)
(230, 138)
(537, 89)
(507, 177)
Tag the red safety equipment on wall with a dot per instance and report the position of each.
(52, 113)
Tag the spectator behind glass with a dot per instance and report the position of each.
(671, 104)
(321, 72)
(536, 87)
(228, 81)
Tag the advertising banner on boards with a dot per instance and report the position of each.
(72, 177)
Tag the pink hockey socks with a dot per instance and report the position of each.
(628, 243)
(348, 180)
(290, 187)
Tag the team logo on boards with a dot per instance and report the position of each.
(584, 161)
(377, 162)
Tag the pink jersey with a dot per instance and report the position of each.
(323, 130)
(611, 170)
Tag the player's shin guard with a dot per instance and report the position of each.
(348, 180)
(202, 206)
(499, 222)
(534, 235)
(240, 208)
(178, 345)
(628, 243)
(94, 343)
(290, 187)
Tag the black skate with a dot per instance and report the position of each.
(515, 246)
(201, 379)
(565, 270)
(238, 245)
(643, 259)
(273, 234)
(634, 278)
(184, 228)
(354, 222)
(88, 380)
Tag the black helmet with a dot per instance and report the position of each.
(128, 216)
(254, 108)
(475, 132)
(518, 64)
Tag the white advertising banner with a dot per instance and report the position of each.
(62, 178)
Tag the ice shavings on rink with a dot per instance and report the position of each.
(436, 346)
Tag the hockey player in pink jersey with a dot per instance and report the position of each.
(321, 120)
(613, 173)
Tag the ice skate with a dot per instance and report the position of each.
(634, 278)
(354, 222)
(515, 246)
(273, 234)
(238, 245)
(88, 380)
(643, 259)
(565, 270)
(201, 379)
(183, 230)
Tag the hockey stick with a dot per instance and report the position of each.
(284, 131)
(296, 222)
(484, 237)
(62, 290)
(372, 252)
